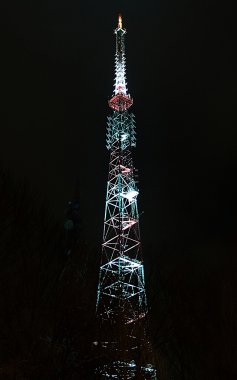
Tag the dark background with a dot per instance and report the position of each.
(57, 74)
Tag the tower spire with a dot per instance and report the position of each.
(120, 99)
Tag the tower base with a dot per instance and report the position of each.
(126, 371)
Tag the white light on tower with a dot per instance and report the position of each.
(130, 195)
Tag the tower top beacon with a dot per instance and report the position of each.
(120, 21)
(120, 25)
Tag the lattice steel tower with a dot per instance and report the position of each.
(121, 301)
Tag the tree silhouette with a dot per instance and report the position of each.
(47, 299)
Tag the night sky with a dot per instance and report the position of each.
(57, 74)
(58, 60)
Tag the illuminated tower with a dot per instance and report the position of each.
(123, 344)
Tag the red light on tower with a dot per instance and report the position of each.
(120, 102)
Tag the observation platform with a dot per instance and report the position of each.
(120, 102)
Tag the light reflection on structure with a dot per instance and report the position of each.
(121, 299)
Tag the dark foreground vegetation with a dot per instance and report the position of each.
(47, 300)
(47, 305)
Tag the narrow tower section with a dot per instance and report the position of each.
(121, 300)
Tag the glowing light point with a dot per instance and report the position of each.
(128, 223)
(130, 195)
(124, 137)
(120, 22)
(124, 170)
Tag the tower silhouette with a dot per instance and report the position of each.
(123, 341)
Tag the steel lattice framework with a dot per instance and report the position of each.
(121, 298)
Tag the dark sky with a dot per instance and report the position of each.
(58, 59)
(57, 72)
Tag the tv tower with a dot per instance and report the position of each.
(123, 343)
